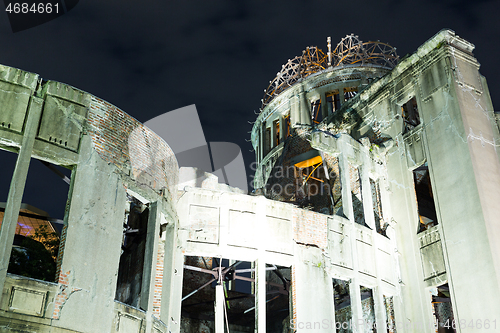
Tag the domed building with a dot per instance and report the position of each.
(374, 210)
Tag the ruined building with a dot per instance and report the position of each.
(375, 206)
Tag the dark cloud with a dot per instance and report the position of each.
(150, 57)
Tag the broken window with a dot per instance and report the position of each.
(342, 306)
(267, 141)
(357, 198)
(425, 198)
(443, 310)
(380, 225)
(276, 126)
(317, 115)
(286, 123)
(368, 306)
(131, 269)
(333, 100)
(336, 186)
(278, 298)
(411, 118)
(390, 316)
(35, 250)
(350, 92)
(207, 280)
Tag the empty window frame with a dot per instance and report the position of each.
(267, 140)
(411, 117)
(37, 247)
(333, 100)
(276, 132)
(356, 194)
(131, 269)
(380, 225)
(368, 307)
(425, 198)
(443, 309)
(278, 298)
(317, 115)
(286, 124)
(350, 92)
(390, 316)
(201, 276)
(342, 306)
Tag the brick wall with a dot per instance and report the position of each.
(132, 147)
(158, 279)
(310, 228)
(60, 254)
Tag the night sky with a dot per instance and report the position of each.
(150, 57)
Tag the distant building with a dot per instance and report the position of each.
(375, 207)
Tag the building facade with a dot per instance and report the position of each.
(374, 207)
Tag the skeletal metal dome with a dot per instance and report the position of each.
(350, 51)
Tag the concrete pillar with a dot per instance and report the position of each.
(260, 295)
(355, 293)
(294, 111)
(379, 308)
(219, 308)
(150, 260)
(304, 108)
(16, 190)
(356, 308)
(173, 270)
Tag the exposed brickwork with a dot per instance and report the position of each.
(132, 147)
(158, 279)
(310, 228)
(60, 254)
(64, 293)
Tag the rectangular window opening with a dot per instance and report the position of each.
(368, 306)
(342, 306)
(350, 92)
(267, 141)
(131, 268)
(380, 225)
(276, 126)
(317, 115)
(39, 237)
(357, 198)
(443, 309)
(286, 122)
(425, 198)
(200, 288)
(411, 117)
(333, 100)
(390, 316)
(278, 298)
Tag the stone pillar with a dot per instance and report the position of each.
(16, 190)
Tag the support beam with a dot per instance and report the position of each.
(219, 308)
